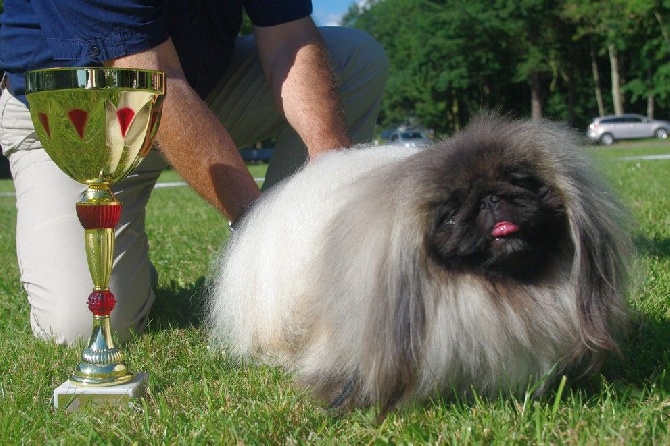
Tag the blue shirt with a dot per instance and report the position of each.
(38, 34)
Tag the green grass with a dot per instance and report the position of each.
(197, 396)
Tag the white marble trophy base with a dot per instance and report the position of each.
(70, 396)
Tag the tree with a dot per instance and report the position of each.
(555, 58)
(608, 22)
(446, 58)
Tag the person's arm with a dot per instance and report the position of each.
(193, 140)
(296, 65)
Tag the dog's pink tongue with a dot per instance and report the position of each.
(503, 228)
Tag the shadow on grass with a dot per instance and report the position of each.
(656, 247)
(645, 348)
(645, 352)
(178, 306)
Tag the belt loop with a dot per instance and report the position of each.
(4, 84)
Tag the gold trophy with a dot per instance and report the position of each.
(97, 124)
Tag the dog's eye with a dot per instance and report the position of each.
(448, 216)
(529, 182)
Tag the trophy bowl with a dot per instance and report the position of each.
(97, 124)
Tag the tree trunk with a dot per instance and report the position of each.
(535, 97)
(617, 99)
(452, 111)
(596, 81)
(572, 119)
(650, 96)
(456, 113)
(666, 36)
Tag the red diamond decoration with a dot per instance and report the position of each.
(125, 116)
(44, 119)
(79, 118)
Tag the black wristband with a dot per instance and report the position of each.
(234, 225)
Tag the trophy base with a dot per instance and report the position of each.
(71, 396)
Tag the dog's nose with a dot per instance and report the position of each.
(492, 201)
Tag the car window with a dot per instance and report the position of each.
(412, 135)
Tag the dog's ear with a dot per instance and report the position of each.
(599, 272)
(403, 328)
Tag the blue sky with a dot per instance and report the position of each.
(329, 12)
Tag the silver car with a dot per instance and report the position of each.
(607, 129)
(409, 137)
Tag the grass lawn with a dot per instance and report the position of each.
(197, 396)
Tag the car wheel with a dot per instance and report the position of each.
(606, 139)
(661, 133)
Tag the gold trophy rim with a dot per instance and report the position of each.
(94, 78)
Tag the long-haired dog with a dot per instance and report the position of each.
(490, 262)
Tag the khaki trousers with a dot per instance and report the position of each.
(49, 237)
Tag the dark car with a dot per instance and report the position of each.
(253, 155)
(607, 129)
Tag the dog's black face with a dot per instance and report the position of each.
(497, 217)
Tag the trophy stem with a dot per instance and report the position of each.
(99, 212)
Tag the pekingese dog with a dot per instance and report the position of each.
(491, 262)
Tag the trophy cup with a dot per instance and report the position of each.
(97, 124)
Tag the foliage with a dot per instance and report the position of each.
(247, 27)
(199, 396)
(450, 58)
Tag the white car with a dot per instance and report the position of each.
(409, 137)
(607, 129)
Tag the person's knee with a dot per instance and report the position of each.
(356, 53)
(375, 56)
(63, 324)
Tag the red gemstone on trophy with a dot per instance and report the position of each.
(101, 302)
